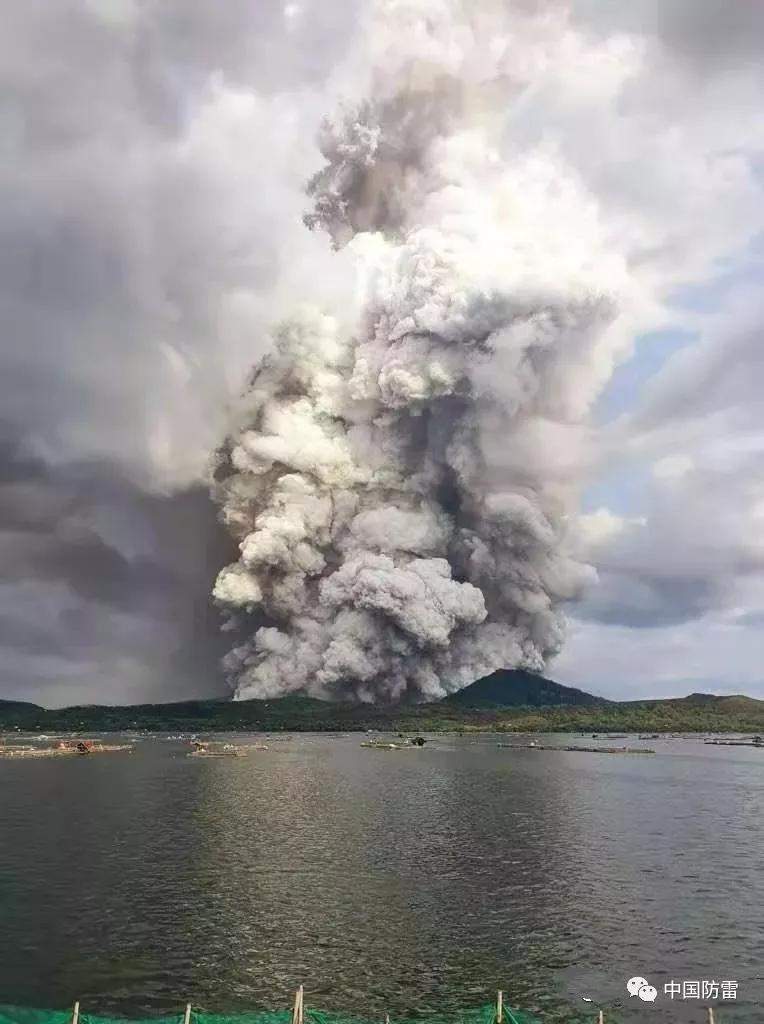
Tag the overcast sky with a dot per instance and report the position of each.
(155, 153)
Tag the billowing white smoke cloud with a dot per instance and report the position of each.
(400, 474)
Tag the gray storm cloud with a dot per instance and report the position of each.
(565, 156)
(399, 476)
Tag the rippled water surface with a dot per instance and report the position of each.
(412, 881)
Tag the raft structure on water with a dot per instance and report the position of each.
(204, 748)
(66, 748)
(582, 750)
(757, 741)
(414, 744)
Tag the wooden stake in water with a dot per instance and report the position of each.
(76, 1012)
(187, 1017)
(297, 1012)
(499, 1006)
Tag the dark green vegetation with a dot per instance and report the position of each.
(505, 701)
(518, 688)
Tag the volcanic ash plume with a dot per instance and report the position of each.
(399, 476)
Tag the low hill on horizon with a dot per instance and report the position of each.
(513, 687)
(698, 700)
(10, 707)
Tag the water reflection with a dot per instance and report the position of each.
(383, 881)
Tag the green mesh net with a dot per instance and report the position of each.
(477, 1015)
(21, 1015)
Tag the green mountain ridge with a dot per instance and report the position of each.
(18, 705)
(509, 700)
(519, 688)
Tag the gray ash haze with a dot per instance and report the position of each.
(503, 307)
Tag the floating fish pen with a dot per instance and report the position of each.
(493, 1013)
(379, 745)
(67, 748)
(204, 749)
(415, 744)
(578, 750)
(757, 741)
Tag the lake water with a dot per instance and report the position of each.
(402, 882)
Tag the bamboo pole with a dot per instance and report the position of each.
(601, 1018)
(302, 999)
(297, 1012)
(76, 1012)
(499, 1006)
(710, 1016)
(187, 1016)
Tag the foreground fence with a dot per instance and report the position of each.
(492, 1013)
